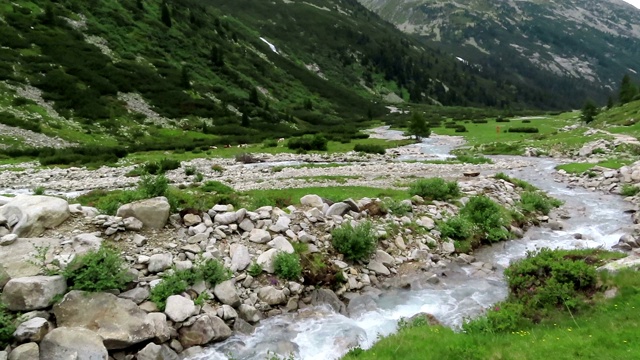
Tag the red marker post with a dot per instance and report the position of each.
(498, 132)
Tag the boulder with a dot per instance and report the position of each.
(28, 351)
(207, 328)
(259, 236)
(153, 213)
(32, 293)
(339, 209)
(162, 331)
(8, 239)
(378, 268)
(191, 219)
(226, 218)
(243, 327)
(160, 262)
(240, 257)
(246, 225)
(157, 352)
(4, 278)
(282, 244)
(72, 343)
(226, 293)
(384, 258)
(15, 258)
(138, 294)
(312, 200)
(120, 322)
(83, 243)
(32, 330)
(272, 296)
(266, 260)
(29, 216)
(132, 224)
(249, 313)
(328, 297)
(361, 304)
(179, 308)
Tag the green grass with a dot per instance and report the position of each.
(579, 168)
(334, 193)
(340, 179)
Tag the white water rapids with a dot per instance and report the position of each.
(321, 334)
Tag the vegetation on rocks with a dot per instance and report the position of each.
(531, 202)
(435, 189)
(357, 242)
(96, 271)
(287, 266)
(7, 326)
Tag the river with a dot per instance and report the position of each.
(320, 334)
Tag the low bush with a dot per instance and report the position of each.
(287, 266)
(7, 326)
(526, 121)
(629, 190)
(480, 121)
(246, 159)
(355, 243)
(254, 269)
(217, 168)
(217, 187)
(461, 129)
(11, 120)
(502, 120)
(490, 219)
(369, 149)
(39, 190)
(97, 271)
(523, 129)
(469, 159)
(153, 186)
(395, 207)
(78, 156)
(435, 189)
(190, 170)
(501, 148)
(308, 143)
(531, 201)
(212, 271)
(456, 228)
(270, 143)
(502, 317)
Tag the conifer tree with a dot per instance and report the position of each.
(628, 90)
(166, 15)
(589, 112)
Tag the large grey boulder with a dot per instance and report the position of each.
(282, 244)
(272, 296)
(153, 213)
(160, 262)
(138, 295)
(240, 257)
(226, 293)
(32, 293)
(29, 216)
(179, 308)
(157, 352)
(266, 260)
(259, 236)
(160, 326)
(207, 328)
(72, 343)
(28, 351)
(337, 209)
(4, 277)
(249, 313)
(328, 297)
(312, 200)
(32, 330)
(226, 218)
(120, 322)
(16, 259)
(83, 243)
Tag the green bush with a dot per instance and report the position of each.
(254, 269)
(97, 271)
(502, 317)
(199, 177)
(369, 149)
(456, 228)
(523, 129)
(396, 207)
(355, 243)
(629, 190)
(287, 266)
(308, 143)
(533, 201)
(190, 170)
(7, 326)
(217, 187)
(39, 190)
(474, 159)
(153, 186)
(213, 272)
(11, 120)
(435, 189)
(491, 219)
(270, 143)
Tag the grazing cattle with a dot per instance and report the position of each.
(244, 146)
(281, 140)
(227, 146)
(213, 147)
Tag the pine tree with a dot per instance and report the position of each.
(184, 78)
(589, 112)
(139, 4)
(166, 15)
(245, 120)
(628, 90)
(418, 127)
(610, 102)
(253, 97)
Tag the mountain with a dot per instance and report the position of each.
(144, 72)
(573, 49)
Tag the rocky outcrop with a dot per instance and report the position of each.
(153, 213)
(205, 329)
(72, 343)
(32, 293)
(29, 216)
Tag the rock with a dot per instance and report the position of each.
(423, 318)
(249, 313)
(555, 225)
(120, 322)
(29, 351)
(360, 305)
(68, 343)
(32, 330)
(272, 296)
(282, 244)
(29, 216)
(516, 231)
(221, 208)
(138, 294)
(266, 260)
(226, 293)
(228, 313)
(384, 258)
(471, 173)
(207, 328)
(157, 352)
(240, 257)
(8, 239)
(328, 297)
(378, 268)
(179, 308)
(243, 327)
(32, 293)
(161, 330)
(448, 247)
(399, 241)
(132, 224)
(84, 243)
(629, 240)
(312, 200)
(3, 355)
(226, 218)
(427, 222)
(4, 278)
(153, 213)
(160, 262)
(191, 219)
(259, 236)
(339, 208)
(629, 262)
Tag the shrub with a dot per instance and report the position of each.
(97, 271)
(502, 120)
(308, 143)
(355, 243)
(526, 121)
(199, 177)
(270, 143)
(523, 129)
(217, 168)
(153, 186)
(502, 317)
(629, 190)
(39, 190)
(217, 187)
(169, 164)
(456, 228)
(489, 217)
(435, 189)
(254, 269)
(287, 266)
(396, 207)
(533, 201)
(480, 121)
(11, 120)
(474, 159)
(7, 326)
(190, 170)
(461, 129)
(213, 272)
(369, 149)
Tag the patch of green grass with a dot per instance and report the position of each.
(579, 168)
(340, 179)
(334, 193)
(629, 190)
(517, 182)
(531, 202)
(287, 266)
(435, 189)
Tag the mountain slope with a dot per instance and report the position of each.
(572, 48)
(123, 72)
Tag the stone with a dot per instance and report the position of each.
(328, 297)
(160, 262)
(197, 238)
(427, 222)
(516, 231)
(226, 293)
(119, 322)
(266, 260)
(139, 240)
(555, 225)
(423, 318)
(28, 351)
(8, 239)
(259, 236)
(228, 312)
(243, 327)
(32, 330)
(272, 296)
(157, 352)
(70, 343)
(206, 328)
(4, 277)
(161, 329)
(629, 262)
(29, 216)
(220, 208)
(448, 247)
(226, 218)
(280, 243)
(191, 220)
(138, 294)
(246, 225)
(384, 258)
(339, 209)
(378, 268)
(84, 243)
(153, 213)
(240, 257)
(132, 224)
(179, 308)
(399, 241)
(32, 293)
(360, 305)
(249, 313)
(312, 200)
